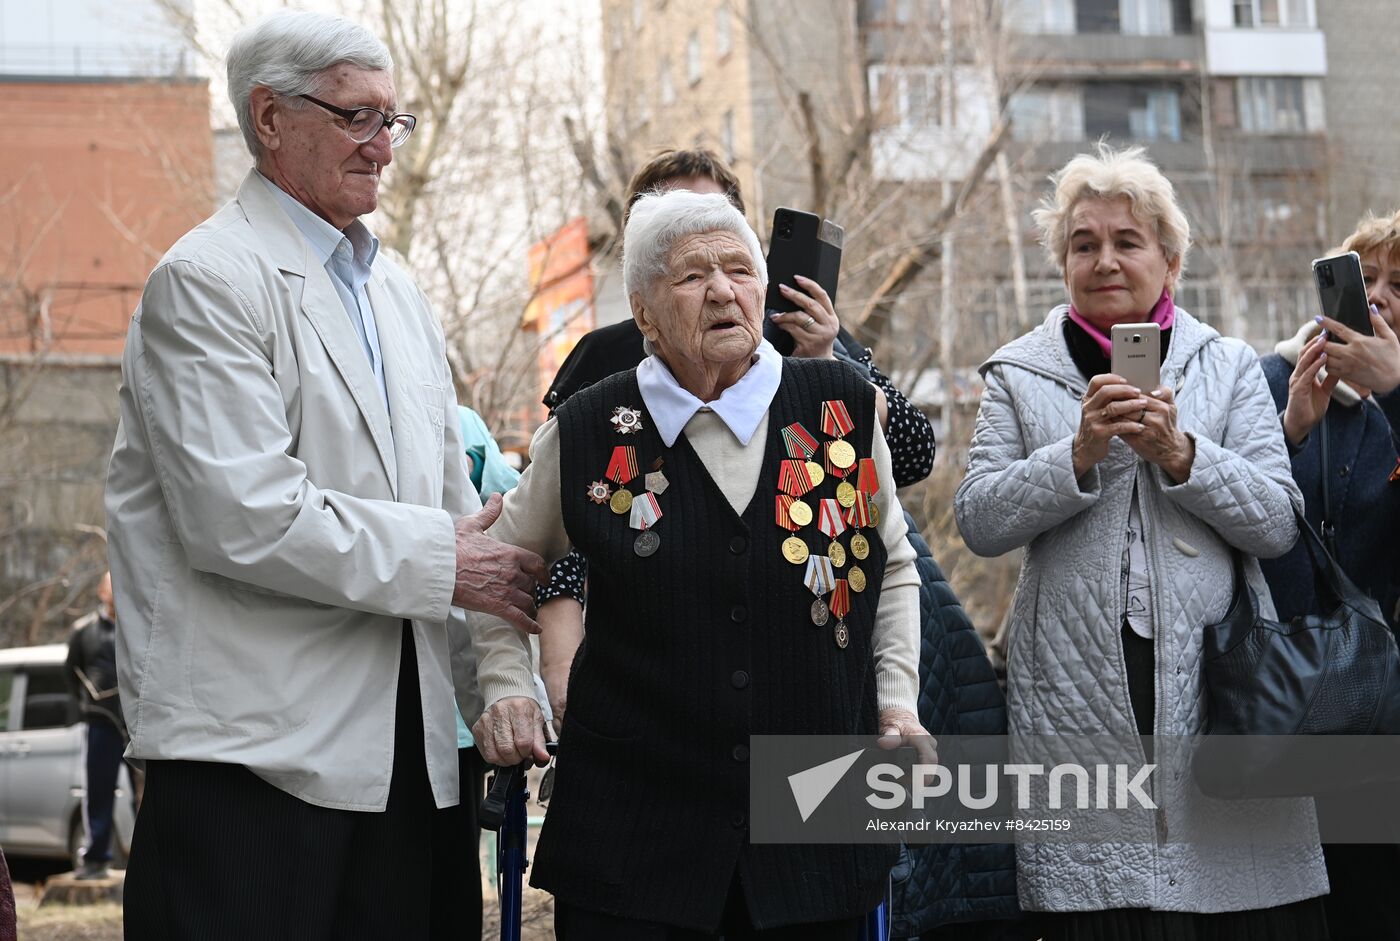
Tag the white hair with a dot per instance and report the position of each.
(288, 51)
(1111, 174)
(658, 220)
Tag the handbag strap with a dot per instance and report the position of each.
(1328, 531)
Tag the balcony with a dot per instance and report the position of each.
(1247, 52)
(1103, 54)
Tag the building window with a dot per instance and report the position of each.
(1097, 16)
(908, 97)
(1146, 17)
(692, 58)
(726, 135)
(1253, 14)
(638, 11)
(1041, 16)
(615, 28)
(1047, 113)
(1279, 105)
(724, 40)
(666, 87)
(1132, 111)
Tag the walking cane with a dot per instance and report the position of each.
(503, 811)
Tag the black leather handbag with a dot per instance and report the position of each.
(1332, 674)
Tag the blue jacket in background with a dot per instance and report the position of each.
(1365, 502)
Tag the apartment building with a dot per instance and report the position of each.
(107, 163)
(1232, 98)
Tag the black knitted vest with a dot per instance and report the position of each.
(687, 653)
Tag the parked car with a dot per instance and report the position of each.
(41, 761)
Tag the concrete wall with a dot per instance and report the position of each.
(1363, 122)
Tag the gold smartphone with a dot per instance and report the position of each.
(1137, 354)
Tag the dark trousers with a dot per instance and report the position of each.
(460, 877)
(576, 924)
(221, 854)
(105, 745)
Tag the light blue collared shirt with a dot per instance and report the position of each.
(348, 258)
(741, 407)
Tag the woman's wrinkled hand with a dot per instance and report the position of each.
(1307, 394)
(1109, 409)
(900, 727)
(1160, 441)
(1370, 362)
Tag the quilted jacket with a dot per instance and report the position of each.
(1065, 666)
(938, 883)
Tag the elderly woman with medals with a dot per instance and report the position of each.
(748, 576)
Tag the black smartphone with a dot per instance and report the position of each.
(1342, 291)
(805, 244)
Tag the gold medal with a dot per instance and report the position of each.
(837, 554)
(795, 550)
(841, 453)
(800, 512)
(818, 475)
(856, 578)
(860, 547)
(846, 494)
(874, 513)
(621, 501)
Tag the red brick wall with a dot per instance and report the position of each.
(97, 180)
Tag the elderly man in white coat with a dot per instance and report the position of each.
(293, 535)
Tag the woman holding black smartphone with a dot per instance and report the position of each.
(1331, 382)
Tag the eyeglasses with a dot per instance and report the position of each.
(362, 124)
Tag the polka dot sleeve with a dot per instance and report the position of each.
(910, 435)
(566, 579)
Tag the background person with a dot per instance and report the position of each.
(1354, 386)
(92, 677)
(293, 535)
(1129, 504)
(705, 628)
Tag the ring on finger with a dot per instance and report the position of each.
(1142, 416)
(1106, 415)
(810, 321)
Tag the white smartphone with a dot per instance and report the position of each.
(1137, 354)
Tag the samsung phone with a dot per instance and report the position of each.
(1342, 291)
(1137, 354)
(805, 244)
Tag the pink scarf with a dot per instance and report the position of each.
(1163, 315)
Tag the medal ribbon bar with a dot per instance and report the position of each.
(622, 467)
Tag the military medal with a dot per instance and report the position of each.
(836, 421)
(856, 578)
(859, 513)
(799, 442)
(627, 421)
(599, 492)
(840, 606)
(819, 579)
(831, 525)
(622, 467)
(860, 547)
(621, 501)
(656, 481)
(647, 543)
(845, 494)
(867, 479)
(800, 512)
(796, 478)
(795, 550)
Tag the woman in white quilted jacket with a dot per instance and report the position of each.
(1128, 503)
